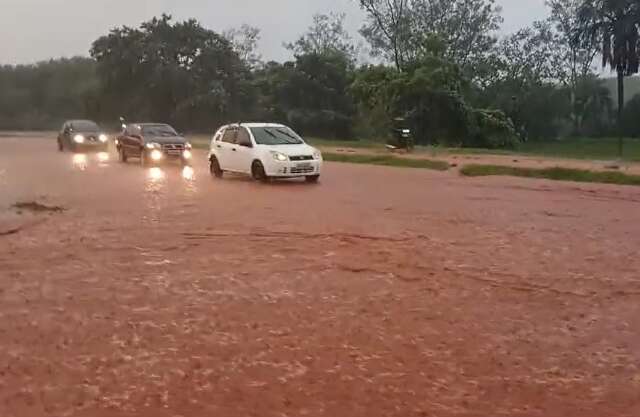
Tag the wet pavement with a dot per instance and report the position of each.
(378, 292)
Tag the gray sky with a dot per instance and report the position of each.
(33, 30)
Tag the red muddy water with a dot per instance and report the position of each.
(378, 292)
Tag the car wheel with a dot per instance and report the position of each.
(214, 168)
(312, 178)
(122, 155)
(258, 173)
(60, 148)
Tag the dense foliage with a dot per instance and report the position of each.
(440, 66)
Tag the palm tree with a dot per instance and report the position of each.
(616, 25)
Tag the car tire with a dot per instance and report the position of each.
(258, 173)
(122, 156)
(60, 147)
(214, 168)
(312, 179)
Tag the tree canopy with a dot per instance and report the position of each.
(439, 64)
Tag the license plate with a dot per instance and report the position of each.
(303, 165)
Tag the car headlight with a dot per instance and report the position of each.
(103, 138)
(317, 155)
(156, 155)
(278, 156)
(187, 154)
(188, 146)
(153, 146)
(78, 139)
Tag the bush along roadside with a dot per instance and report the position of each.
(559, 174)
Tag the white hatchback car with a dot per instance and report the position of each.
(264, 151)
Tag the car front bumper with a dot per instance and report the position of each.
(92, 145)
(163, 155)
(293, 169)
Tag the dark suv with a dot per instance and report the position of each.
(152, 143)
(82, 134)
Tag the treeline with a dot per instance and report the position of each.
(442, 68)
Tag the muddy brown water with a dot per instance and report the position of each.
(378, 292)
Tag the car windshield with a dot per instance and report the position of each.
(85, 126)
(158, 130)
(275, 136)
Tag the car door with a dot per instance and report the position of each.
(133, 140)
(228, 149)
(243, 156)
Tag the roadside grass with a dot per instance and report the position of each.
(603, 149)
(356, 144)
(199, 141)
(573, 148)
(576, 148)
(387, 160)
(584, 148)
(559, 174)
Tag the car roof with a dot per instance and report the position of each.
(150, 124)
(81, 121)
(255, 125)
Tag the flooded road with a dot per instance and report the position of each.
(379, 292)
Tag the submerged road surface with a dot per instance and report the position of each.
(379, 292)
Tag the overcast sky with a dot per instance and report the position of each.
(33, 30)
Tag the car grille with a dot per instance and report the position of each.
(173, 148)
(303, 170)
(92, 138)
(301, 158)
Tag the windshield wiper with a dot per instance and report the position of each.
(284, 132)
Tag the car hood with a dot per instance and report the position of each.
(292, 150)
(86, 132)
(165, 139)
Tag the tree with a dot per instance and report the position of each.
(466, 27)
(175, 72)
(245, 42)
(327, 35)
(403, 30)
(310, 93)
(43, 95)
(526, 82)
(615, 24)
(630, 124)
(579, 53)
(389, 29)
(429, 96)
(532, 56)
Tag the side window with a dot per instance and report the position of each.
(229, 135)
(243, 138)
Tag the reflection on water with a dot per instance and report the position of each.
(188, 173)
(80, 161)
(155, 174)
(103, 157)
